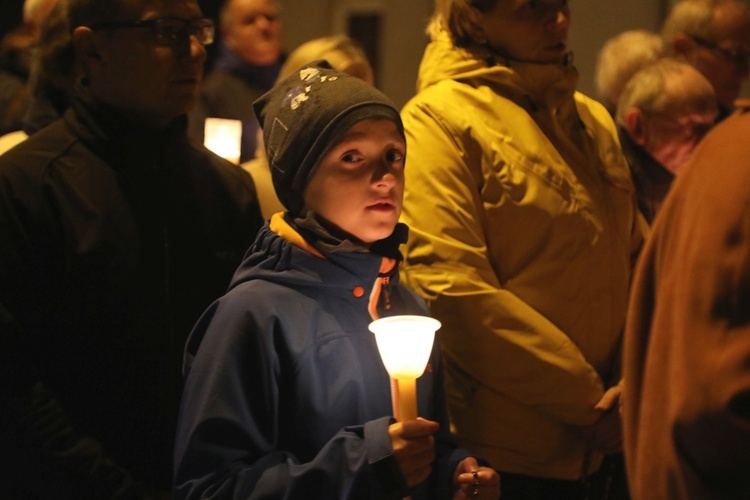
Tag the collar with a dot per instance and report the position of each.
(546, 86)
(120, 141)
(315, 239)
(742, 105)
(641, 163)
(530, 85)
(107, 123)
(281, 227)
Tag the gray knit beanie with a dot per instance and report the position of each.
(305, 115)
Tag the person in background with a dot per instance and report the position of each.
(714, 37)
(620, 58)
(343, 54)
(686, 402)
(665, 110)
(53, 75)
(117, 232)
(15, 60)
(341, 51)
(250, 57)
(286, 395)
(54, 72)
(524, 231)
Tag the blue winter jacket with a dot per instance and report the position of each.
(286, 395)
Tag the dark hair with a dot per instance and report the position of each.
(457, 18)
(87, 12)
(484, 5)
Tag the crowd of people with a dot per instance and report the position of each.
(177, 325)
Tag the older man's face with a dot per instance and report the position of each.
(253, 30)
(724, 59)
(674, 132)
(151, 82)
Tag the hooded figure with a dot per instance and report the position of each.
(286, 395)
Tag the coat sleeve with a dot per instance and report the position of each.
(43, 452)
(228, 430)
(686, 402)
(703, 282)
(485, 326)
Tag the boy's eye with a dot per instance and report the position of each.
(351, 157)
(395, 155)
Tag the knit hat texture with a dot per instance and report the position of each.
(305, 115)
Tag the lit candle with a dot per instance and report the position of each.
(223, 136)
(405, 343)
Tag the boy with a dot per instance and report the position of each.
(286, 395)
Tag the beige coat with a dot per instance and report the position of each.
(686, 410)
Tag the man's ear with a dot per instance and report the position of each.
(682, 46)
(635, 122)
(86, 44)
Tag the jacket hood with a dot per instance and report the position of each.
(281, 255)
(530, 85)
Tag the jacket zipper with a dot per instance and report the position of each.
(386, 294)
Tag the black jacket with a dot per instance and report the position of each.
(113, 240)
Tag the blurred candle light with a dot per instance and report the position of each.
(405, 343)
(222, 136)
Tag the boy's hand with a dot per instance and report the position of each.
(414, 448)
(471, 481)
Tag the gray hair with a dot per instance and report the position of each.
(692, 17)
(651, 89)
(620, 58)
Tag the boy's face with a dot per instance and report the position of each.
(359, 184)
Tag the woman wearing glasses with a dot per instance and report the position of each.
(523, 230)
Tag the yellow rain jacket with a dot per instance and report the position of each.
(524, 231)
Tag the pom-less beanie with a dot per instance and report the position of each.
(305, 115)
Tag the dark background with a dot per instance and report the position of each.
(363, 28)
(394, 37)
(11, 12)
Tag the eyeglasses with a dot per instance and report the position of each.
(168, 31)
(692, 128)
(735, 55)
